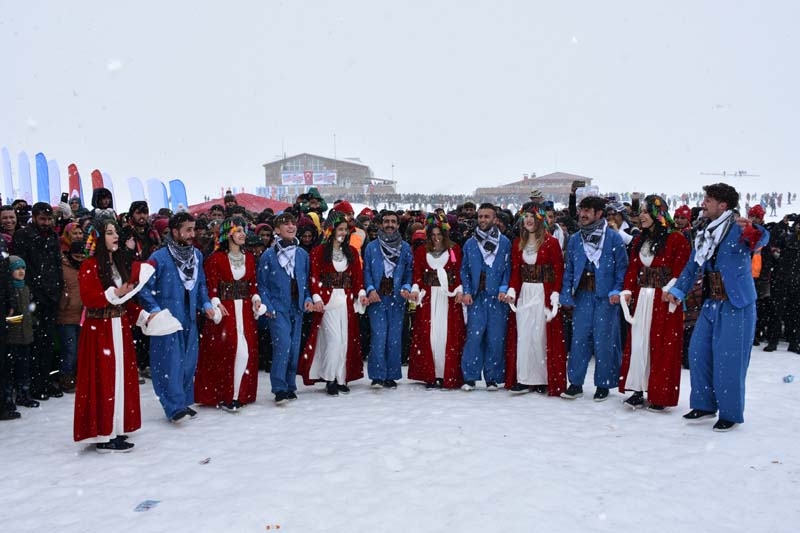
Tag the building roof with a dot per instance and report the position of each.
(566, 176)
(251, 202)
(349, 161)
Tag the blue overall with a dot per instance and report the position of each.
(595, 322)
(173, 358)
(487, 317)
(285, 328)
(719, 352)
(386, 317)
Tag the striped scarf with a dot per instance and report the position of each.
(487, 243)
(390, 249)
(185, 260)
(593, 236)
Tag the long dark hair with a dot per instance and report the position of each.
(446, 242)
(121, 258)
(656, 234)
(327, 246)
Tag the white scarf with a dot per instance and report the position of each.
(707, 240)
(286, 255)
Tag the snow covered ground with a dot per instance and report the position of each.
(417, 460)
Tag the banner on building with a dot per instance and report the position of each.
(327, 177)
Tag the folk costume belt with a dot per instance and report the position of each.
(112, 311)
(655, 277)
(431, 278)
(713, 287)
(588, 281)
(538, 274)
(234, 290)
(336, 280)
(386, 287)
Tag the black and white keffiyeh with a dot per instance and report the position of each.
(487, 243)
(286, 251)
(186, 261)
(593, 236)
(391, 245)
(708, 239)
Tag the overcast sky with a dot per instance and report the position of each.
(454, 94)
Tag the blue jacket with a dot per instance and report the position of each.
(733, 262)
(472, 264)
(164, 290)
(274, 284)
(609, 275)
(373, 268)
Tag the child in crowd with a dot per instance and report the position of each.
(20, 335)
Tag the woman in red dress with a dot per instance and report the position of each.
(651, 360)
(536, 357)
(332, 352)
(439, 332)
(227, 363)
(107, 385)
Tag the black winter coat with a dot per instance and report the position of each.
(41, 251)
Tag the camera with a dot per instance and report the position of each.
(64, 197)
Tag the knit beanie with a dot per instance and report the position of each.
(15, 262)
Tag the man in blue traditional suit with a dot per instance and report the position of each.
(178, 285)
(485, 270)
(594, 272)
(283, 286)
(387, 279)
(719, 352)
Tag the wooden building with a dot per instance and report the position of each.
(287, 177)
(555, 187)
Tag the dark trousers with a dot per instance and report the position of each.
(44, 364)
(768, 322)
(6, 376)
(141, 343)
(791, 314)
(19, 363)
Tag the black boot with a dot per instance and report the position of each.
(332, 389)
(54, 390)
(8, 411)
(24, 399)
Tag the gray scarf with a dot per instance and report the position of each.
(185, 260)
(593, 235)
(487, 243)
(390, 249)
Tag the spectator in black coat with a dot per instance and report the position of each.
(39, 246)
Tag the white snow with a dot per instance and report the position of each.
(417, 460)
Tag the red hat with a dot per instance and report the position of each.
(161, 224)
(344, 207)
(683, 211)
(756, 211)
(367, 212)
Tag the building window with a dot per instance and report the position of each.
(293, 165)
(316, 164)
